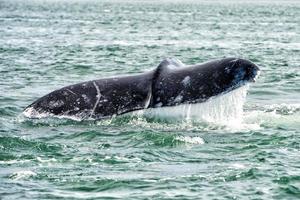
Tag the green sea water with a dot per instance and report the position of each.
(48, 44)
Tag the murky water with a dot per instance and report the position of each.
(45, 45)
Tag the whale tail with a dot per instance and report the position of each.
(170, 84)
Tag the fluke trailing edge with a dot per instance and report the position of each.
(170, 84)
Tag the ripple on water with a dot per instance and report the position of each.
(45, 45)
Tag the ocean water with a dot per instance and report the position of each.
(228, 153)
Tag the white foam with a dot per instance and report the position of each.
(33, 113)
(22, 175)
(283, 108)
(191, 140)
(274, 117)
(41, 160)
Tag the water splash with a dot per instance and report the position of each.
(226, 109)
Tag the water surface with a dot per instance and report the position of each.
(45, 45)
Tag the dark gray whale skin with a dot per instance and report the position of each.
(170, 84)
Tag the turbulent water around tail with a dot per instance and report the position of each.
(234, 146)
